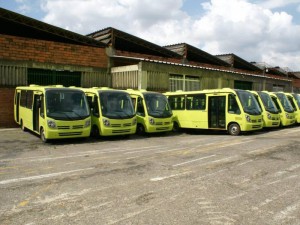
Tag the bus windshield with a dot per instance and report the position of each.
(66, 104)
(157, 105)
(268, 102)
(116, 105)
(297, 98)
(285, 102)
(249, 102)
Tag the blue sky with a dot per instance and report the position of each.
(266, 31)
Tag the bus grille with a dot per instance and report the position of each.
(115, 125)
(256, 126)
(66, 134)
(68, 127)
(120, 131)
(127, 125)
(161, 123)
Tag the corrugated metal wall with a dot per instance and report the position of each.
(126, 79)
(11, 75)
(157, 81)
(95, 79)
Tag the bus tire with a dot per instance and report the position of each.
(43, 136)
(234, 129)
(23, 128)
(176, 127)
(140, 129)
(95, 132)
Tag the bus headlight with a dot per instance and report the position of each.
(51, 124)
(269, 116)
(287, 116)
(106, 122)
(151, 121)
(248, 119)
(134, 121)
(87, 123)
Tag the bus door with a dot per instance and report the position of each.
(216, 111)
(17, 106)
(36, 112)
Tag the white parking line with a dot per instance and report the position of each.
(16, 180)
(206, 157)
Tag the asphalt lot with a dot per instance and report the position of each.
(188, 178)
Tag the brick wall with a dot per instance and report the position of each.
(25, 49)
(7, 107)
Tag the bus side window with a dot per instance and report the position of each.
(233, 106)
(140, 107)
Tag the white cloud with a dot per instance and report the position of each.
(233, 26)
(272, 4)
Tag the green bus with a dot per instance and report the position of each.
(295, 102)
(269, 110)
(286, 110)
(53, 112)
(153, 111)
(217, 109)
(112, 112)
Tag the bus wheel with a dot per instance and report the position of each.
(43, 137)
(140, 129)
(22, 126)
(234, 129)
(176, 127)
(95, 132)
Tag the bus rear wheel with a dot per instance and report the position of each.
(234, 129)
(176, 127)
(95, 132)
(140, 129)
(43, 136)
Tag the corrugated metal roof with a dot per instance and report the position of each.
(12, 23)
(126, 42)
(192, 53)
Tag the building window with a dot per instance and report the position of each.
(243, 85)
(51, 77)
(184, 83)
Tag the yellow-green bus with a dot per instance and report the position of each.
(53, 112)
(286, 110)
(269, 110)
(153, 111)
(112, 112)
(218, 109)
(295, 102)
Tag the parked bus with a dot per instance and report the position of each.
(286, 111)
(53, 112)
(295, 102)
(112, 112)
(219, 109)
(269, 110)
(153, 111)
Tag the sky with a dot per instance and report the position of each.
(262, 31)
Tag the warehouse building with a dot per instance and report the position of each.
(33, 52)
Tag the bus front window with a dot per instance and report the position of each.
(297, 98)
(285, 102)
(157, 105)
(116, 105)
(268, 102)
(66, 104)
(249, 103)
